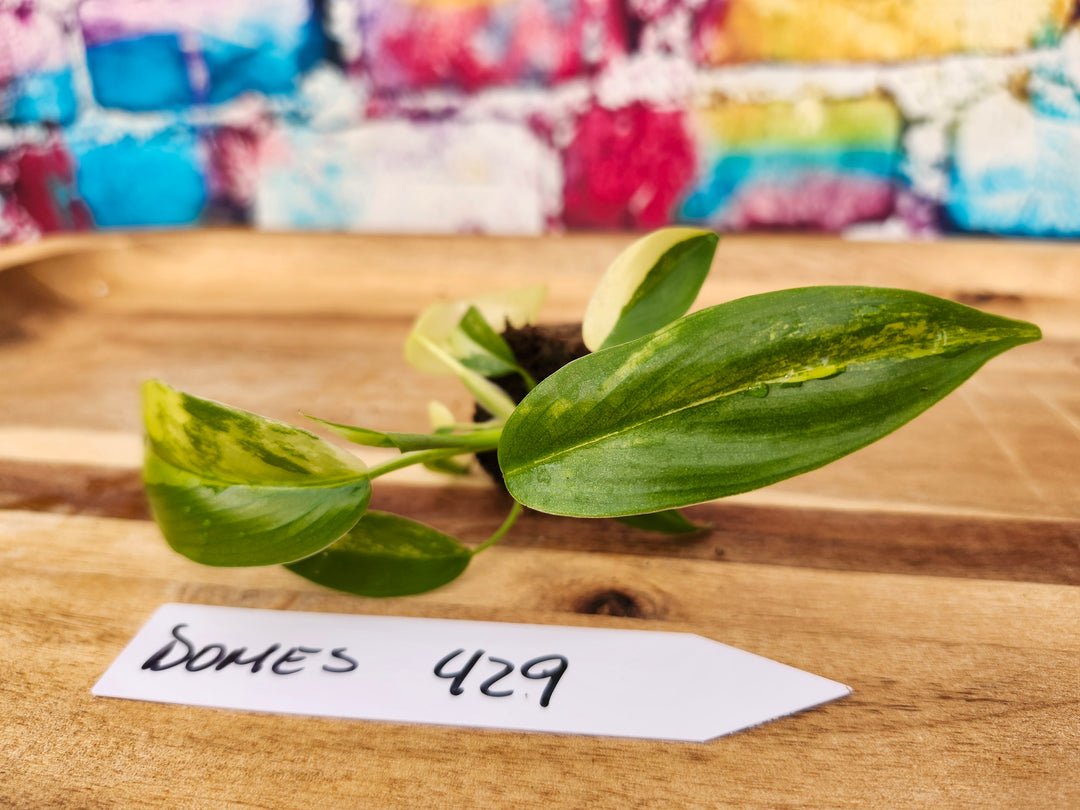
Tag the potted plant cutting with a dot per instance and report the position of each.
(646, 410)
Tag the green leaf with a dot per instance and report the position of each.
(481, 437)
(487, 393)
(386, 555)
(739, 396)
(649, 285)
(430, 342)
(670, 521)
(231, 488)
(434, 345)
(491, 355)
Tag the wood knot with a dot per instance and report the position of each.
(977, 298)
(612, 603)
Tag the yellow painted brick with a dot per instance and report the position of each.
(877, 30)
(870, 122)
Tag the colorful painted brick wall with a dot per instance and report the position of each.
(889, 117)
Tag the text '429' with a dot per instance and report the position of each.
(548, 668)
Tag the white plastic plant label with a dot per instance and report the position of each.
(574, 680)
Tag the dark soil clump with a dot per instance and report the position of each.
(541, 351)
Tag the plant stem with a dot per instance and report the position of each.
(481, 441)
(500, 532)
(526, 378)
(456, 428)
(494, 399)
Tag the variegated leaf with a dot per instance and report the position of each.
(649, 285)
(438, 324)
(230, 488)
(739, 396)
(386, 555)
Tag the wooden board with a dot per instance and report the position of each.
(936, 573)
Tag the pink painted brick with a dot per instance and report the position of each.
(473, 44)
(35, 68)
(45, 186)
(233, 169)
(16, 225)
(626, 168)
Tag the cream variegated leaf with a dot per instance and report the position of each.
(650, 284)
(436, 333)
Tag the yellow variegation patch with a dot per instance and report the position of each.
(228, 487)
(230, 445)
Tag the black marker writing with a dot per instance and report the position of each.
(531, 669)
(485, 687)
(459, 676)
(553, 674)
(182, 651)
(256, 661)
(339, 653)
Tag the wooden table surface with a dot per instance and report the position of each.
(937, 572)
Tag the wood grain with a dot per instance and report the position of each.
(962, 689)
(935, 572)
(1018, 549)
(227, 315)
